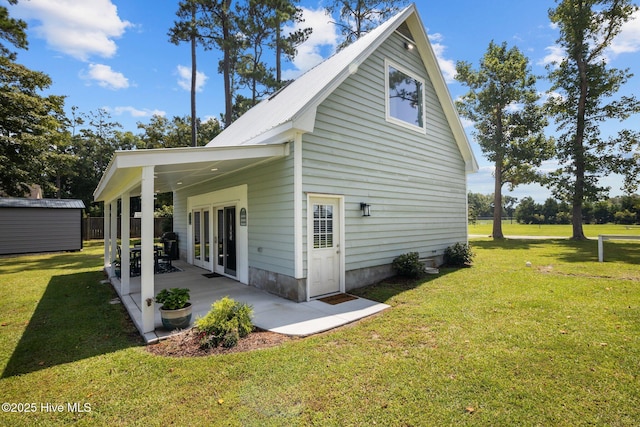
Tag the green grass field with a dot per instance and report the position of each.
(557, 343)
(485, 228)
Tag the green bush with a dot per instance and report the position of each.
(409, 265)
(225, 323)
(173, 299)
(458, 255)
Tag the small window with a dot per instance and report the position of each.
(405, 98)
(322, 226)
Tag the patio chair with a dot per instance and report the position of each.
(134, 261)
(162, 261)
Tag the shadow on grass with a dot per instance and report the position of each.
(41, 261)
(74, 320)
(570, 250)
(389, 288)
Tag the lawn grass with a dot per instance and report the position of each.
(512, 228)
(557, 343)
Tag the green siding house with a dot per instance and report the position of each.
(318, 188)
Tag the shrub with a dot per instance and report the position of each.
(173, 299)
(409, 265)
(458, 255)
(225, 323)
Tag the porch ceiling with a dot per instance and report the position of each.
(177, 168)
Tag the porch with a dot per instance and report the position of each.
(270, 312)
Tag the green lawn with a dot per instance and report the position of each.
(485, 228)
(557, 343)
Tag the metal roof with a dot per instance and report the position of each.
(10, 202)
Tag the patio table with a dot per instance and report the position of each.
(136, 252)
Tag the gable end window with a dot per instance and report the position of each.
(404, 93)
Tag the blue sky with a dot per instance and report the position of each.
(115, 54)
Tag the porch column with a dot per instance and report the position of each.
(106, 236)
(114, 234)
(147, 260)
(125, 272)
(297, 207)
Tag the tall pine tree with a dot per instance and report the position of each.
(502, 103)
(586, 85)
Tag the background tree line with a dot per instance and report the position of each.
(616, 210)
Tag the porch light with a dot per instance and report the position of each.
(366, 209)
(408, 46)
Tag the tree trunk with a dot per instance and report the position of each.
(226, 65)
(194, 124)
(497, 203)
(578, 149)
(278, 53)
(497, 187)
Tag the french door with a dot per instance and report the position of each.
(226, 256)
(202, 237)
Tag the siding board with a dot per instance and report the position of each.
(415, 182)
(270, 212)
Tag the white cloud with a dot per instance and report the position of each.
(555, 55)
(466, 123)
(77, 28)
(184, 78)
(134, 112)
(447, 66)
(628, 40)
(105, 77)
(320, 44)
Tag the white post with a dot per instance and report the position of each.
(297, 206)
(125, 271)
(147, 260)
(114, 234)
(106, 234)
(600, 249)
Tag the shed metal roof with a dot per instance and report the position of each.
(10, 202)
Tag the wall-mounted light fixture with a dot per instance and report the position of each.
(408, 46)
(366, 209)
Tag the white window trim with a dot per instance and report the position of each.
(389, 117)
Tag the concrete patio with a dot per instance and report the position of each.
(270, 312)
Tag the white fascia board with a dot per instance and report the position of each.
(126, 180)
(177, 156)
(115, 180)
(280, 134)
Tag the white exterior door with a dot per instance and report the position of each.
(201, 223)
(226, 251)
(325, 237)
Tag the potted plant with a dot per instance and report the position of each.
(175, 311)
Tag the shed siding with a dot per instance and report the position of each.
(31, 230)
(415, 183)
(269, 213)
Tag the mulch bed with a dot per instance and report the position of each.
(186, 344)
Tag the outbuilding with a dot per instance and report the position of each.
(315, 190)
(40, 225)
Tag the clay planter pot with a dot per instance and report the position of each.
(176, 319)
